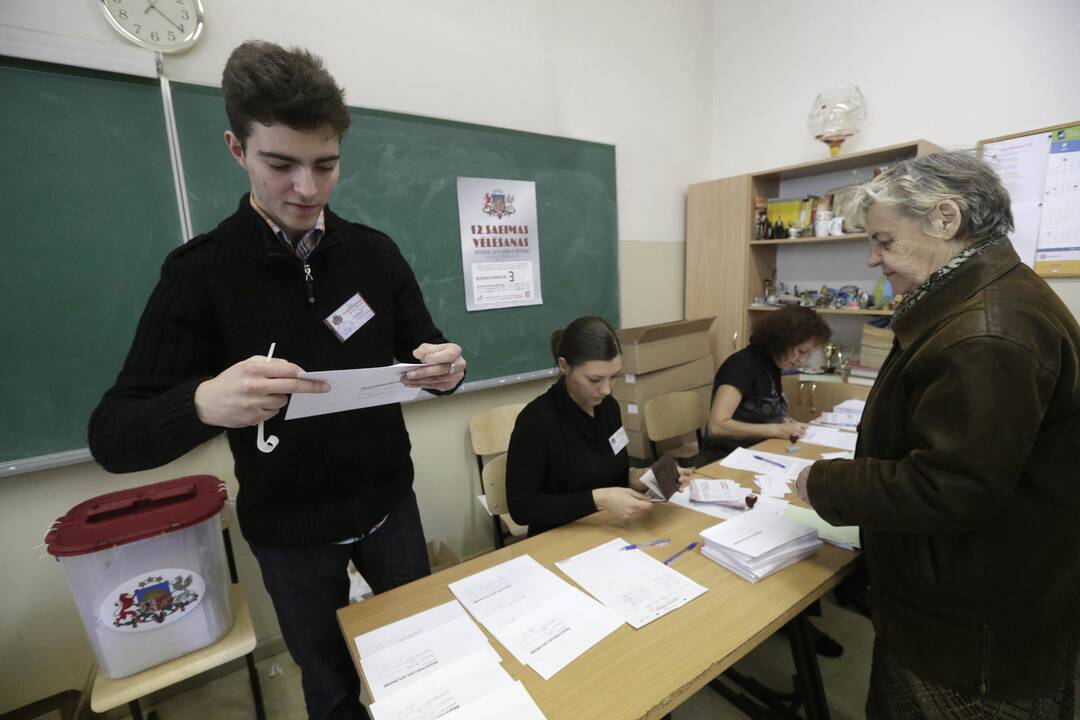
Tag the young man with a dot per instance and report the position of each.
(331, 294)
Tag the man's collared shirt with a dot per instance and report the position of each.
(303, 247)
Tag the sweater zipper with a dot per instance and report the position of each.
(984, 684)
(309, 284)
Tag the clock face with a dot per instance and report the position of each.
(163, 25)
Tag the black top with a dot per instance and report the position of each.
(757, 377)
(558, 455)
(225, 296)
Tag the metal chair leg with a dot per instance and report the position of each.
(135, 709)
(256, 688)
(499, 541)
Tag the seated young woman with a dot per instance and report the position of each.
(748, 404)
(568, 453)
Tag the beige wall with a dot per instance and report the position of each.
(606, 70)
(953, 73)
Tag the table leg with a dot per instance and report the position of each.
(807, 672)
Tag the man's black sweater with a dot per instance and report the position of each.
(224, 297)
(558, 456)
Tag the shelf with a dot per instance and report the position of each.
(825, 311)
(849, 161)
(847, 237)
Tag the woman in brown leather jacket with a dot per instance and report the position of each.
(965, 479)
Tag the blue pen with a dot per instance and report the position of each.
(688, 548)
(661, 541)
(771, 462)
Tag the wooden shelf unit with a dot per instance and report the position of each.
(825, 311)
(846, 237)
(726, 268)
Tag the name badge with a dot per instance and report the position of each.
(349, 318)
(618, 441)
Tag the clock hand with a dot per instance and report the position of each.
(166, 17)
(150, 6)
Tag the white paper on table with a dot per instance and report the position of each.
(353, 389)
(765, 463)
(762, 570)
(841, 455)
(503, 593)
(682, 499)
(851, 406)
(838, 419)
(772, 505)
(724, 492)
(773, 486)
(830, 437)
(405, 651)
(439, 693)
(559, 631)
(512, 701)
(634, 584)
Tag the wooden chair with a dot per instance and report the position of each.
(673, 415)
(494, 481)
(239, 641)
(490, 433)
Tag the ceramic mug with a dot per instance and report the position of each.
(822, 221)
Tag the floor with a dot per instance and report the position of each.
(845, 679)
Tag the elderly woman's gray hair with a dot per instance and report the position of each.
(916, 186)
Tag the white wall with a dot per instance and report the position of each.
(633, 73)
(950, 72)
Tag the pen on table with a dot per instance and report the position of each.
(635, 546)
(688, 548)
(771, 462)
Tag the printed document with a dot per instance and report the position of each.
(632, 583)
(830, 437)
(454, 686)
(401, 653)
(765, 463)
(353, 389)
(542, 620)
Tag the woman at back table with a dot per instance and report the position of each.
(568, 455)
(748, 405)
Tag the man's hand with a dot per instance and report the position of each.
(250, 392)
(622, 502)
(800, 485)
(445, 367)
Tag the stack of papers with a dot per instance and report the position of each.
(847, 414)
(765, 463)
(758, 543)
(830, 437)
(846, 537)
(542, 620)
(721, 492)
(683, 499)
(635, 585)
(436, 664)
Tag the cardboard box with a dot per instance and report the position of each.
(633, 415)
(653, 347)
(634, 388)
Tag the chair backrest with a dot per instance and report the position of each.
(494, 480)
(672, 415)
(490, 430)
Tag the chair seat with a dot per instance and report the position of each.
(109, 693)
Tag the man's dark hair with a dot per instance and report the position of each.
(777, 332)
(587, 338)
(268, 84)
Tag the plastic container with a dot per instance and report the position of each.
(147, 570)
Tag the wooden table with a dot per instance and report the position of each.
(648, 672)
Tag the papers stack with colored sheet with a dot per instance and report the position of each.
(758, 543)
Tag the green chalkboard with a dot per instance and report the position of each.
(399, 174)
(90, 211)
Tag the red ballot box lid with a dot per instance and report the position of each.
(126, 516)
